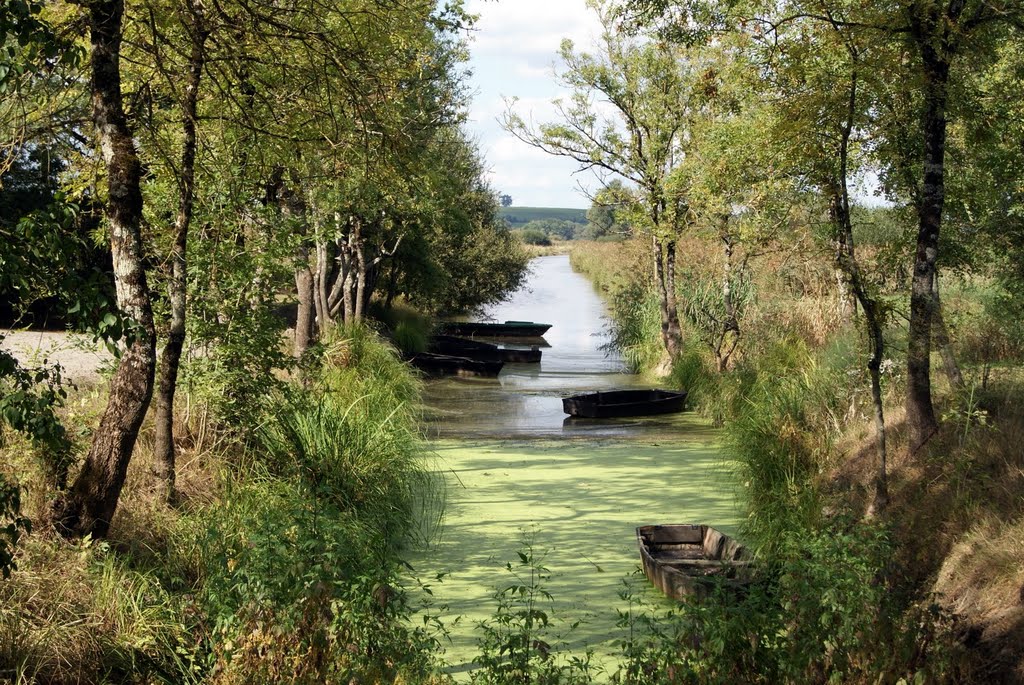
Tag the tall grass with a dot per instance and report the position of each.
(636, 327)
(300, 556)
(781, 435)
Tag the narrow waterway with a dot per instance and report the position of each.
(517, 470)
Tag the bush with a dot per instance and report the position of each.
(819, 611)
(533, 236)
(299, 558)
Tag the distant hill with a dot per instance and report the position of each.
(519, 216)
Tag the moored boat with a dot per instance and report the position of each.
(684, 560)
(619, 403)
(475, 349)
(508, 329)
(449, 365)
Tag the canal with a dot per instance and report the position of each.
(519, 473)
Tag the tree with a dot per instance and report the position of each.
(823, 73)
(647, 85)
(928, 41)
(88, 507)
(604, 216)
(163, 448)
(506, 200)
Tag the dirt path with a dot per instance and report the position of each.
(81, 359)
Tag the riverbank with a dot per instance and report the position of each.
(924, 584)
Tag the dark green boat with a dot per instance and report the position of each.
(509, 329)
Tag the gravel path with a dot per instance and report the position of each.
(80, 358)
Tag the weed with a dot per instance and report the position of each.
(516, 646)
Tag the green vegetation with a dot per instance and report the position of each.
(846, 594)
(282, 563)
(251, 186)
(517, 217)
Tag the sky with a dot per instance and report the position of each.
(513, 54)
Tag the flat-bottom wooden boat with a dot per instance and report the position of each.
(508, 329)
(484, 351)
(684, 560)
(618, 403)
(448, 365)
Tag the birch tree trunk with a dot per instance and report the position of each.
(89, 506)
(731, 322)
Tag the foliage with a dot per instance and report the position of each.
(30, 43)
(534, 236)
(297, 588)
(14, 524)
(350, 437)
(636, 326)
(606, 217)
(29, 404)
(514, 645)
(48, 255)
(781, 435)
(819, 611)
(300, 556)
(235, 331)
(564, 230)
(519, 216)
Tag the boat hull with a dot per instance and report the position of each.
(483, 351)
(508, 329)
(621, 403)
(690, 560)
(448, 365)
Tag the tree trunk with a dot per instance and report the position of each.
(360, 284)
(941, 334)
(88, 507)
(294, 207)
(664, 270)
(847, 299)
(846, 259)
(305, 316)
(920, 413)
(730, 324)
(163, 447)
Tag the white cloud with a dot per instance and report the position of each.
(514, 47)
(521, 27)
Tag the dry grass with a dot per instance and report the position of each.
(957, 513)
(99, 611)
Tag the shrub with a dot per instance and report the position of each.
(533, 236)
(299, 558)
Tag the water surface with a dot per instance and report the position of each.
(525, 401)
(517, 469)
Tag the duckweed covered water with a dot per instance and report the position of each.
(517, 468)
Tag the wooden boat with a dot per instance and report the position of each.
(449, 365)
(617, 403)
(690, 560)
(508, 329)
(475, 349)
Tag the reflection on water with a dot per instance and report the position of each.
(526, 399)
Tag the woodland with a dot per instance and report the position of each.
(260, 206)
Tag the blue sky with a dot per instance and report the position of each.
(514, 51)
